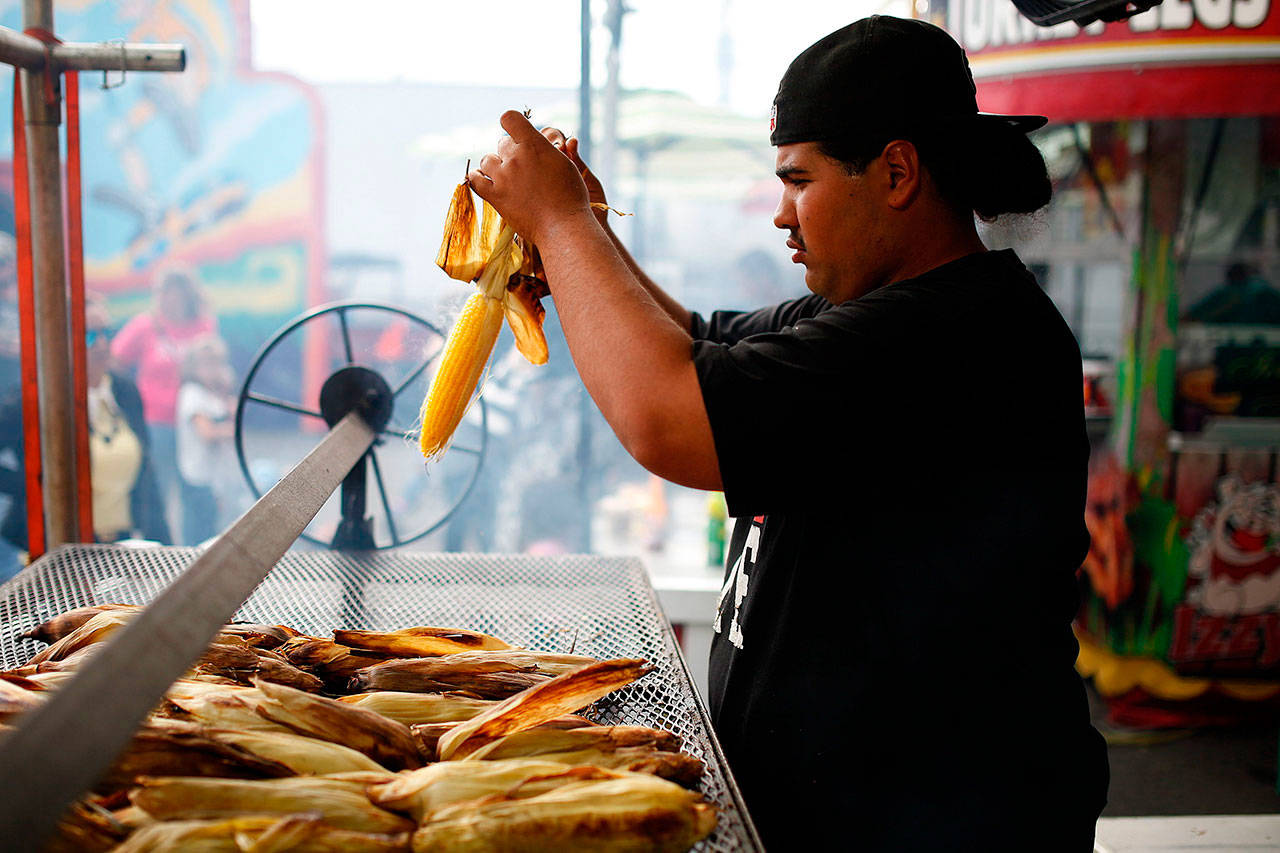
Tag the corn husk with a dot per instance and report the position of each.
(94, 630)
(131, 817)
(50, 680)
(490, 675)
(427, 735)
(342, 803)
(242, 663)
(465, 253)
(419, 642)
(258, 835)
(221, 706)
(459, 255)
(418, 708)
(543, 702)
(258, 636)
(57, 627)
(386, 741)
(174, 748)
(85, 828)
(304, 756)
(534, 742)
(335, 664)
(633, 748)
(420, 793)
(634, 813)
(16, 700)
(68, 664)
(525, 315)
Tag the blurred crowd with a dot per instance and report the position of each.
(160, 413)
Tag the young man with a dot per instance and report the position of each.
(904, 451)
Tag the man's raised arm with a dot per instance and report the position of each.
(633, 352)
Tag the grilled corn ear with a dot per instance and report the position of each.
(534, 742)
(57, 627)
(341, 803)
(427, 735)
(489, 675)
(303, 756)
(633, 813)
(418, 708)
(387, 742)
(421, 793)
(466, 354)
(174, 748)
(419, 642)
(257, 835)
(94, 630)
(560, 695)
(334, 663)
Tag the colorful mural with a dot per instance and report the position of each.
(216, 168)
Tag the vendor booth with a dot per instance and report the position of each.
(1162, 249)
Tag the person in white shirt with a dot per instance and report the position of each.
(204, 433)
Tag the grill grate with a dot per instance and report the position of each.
(598, 606)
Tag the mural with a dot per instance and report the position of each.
(216, 169)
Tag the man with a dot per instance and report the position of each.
(893, 663)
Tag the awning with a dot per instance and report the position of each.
(1181, 59)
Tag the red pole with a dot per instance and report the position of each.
(27, 331)
(75, 276)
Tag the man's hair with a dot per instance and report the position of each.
(990, 170)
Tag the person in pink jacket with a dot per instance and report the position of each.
(154, 344)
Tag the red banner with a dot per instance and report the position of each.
(1180, 59)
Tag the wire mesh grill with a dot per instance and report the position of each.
(598, 606)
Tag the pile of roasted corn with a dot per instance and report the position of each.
(422, 739)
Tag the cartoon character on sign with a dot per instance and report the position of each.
(1235, 550)
(1109, 563)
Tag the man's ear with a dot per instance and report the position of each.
(902, 161)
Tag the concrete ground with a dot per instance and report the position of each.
(1208, 772)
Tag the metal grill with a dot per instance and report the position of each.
(598, 606)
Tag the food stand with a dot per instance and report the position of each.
(1162, 248)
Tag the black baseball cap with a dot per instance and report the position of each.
(881, 73)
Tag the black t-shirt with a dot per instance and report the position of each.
(893, 659)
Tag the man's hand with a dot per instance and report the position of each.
(533, 184)
(595, 190)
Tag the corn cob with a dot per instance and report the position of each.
(488, 674)
(304, 756)
(342, 803)
(242, 663)
(334, 663)
(418, 708)
(560, 695)
(221, 706)
(173, 748)
(429, 675)
(532, 743)
(427, 735)
(57, 627)
(419, 642)
(466, 354)
(96, 629)
(507, 273)
(259, 835)
(421, 793)
(634, 813)
(387, 742)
